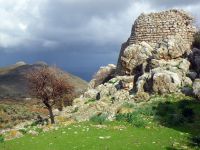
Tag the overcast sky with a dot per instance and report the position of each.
(78, 36)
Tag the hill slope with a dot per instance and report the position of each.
(13, 83)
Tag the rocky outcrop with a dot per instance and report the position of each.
(157, 52)
(158, 30)
(103, 75)
(157, 58)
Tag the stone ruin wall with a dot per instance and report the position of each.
(154, 27)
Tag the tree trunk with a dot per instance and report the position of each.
(51, 115)
(49, 107)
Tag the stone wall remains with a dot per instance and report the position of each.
(153, 27)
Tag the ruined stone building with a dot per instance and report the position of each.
(155, 27)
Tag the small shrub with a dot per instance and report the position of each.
(90, 101)
(99, 118)
(120, 117)
(2, 139)
(147, 110)
(138, 121)
(39, 130)
(75, 110)
(128, 105)
(112, 81)
(134, 119)
(34, 124)
(23, 131)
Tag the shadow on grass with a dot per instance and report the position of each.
(184, 116)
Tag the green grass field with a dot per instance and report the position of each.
(87, 136)
(169, 123)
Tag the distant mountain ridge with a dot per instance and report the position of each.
(13, 84)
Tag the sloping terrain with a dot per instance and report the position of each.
(13, 84)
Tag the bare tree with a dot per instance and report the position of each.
(50, 85)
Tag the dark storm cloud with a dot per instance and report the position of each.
(173, 3)
(77, 35)
(67, 21)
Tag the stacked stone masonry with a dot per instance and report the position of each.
(153, 27)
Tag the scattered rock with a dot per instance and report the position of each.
(91, 93)
(32, 132)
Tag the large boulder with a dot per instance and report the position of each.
(91, 94)
(165, 76)
(166, 82)
(134, 56)
(178, 66)
(179, 63)
(170, 48)
(103, 75)
(196, 88)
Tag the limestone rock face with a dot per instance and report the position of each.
(196, 88)
(135, 56)
(91, 93)
(166, 82)
(157, 58)
(170, 33)
(157, 52)
(103, 74)
(170, 48)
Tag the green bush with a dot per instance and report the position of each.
(138, 121)
(75, 110)
(39, 130)
(147, 110)
(99, 118)
(1, 139)
(175, 114)
(134, 118)
(90, 101)
(128, 105)
(23, 131)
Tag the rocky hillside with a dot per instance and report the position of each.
(13, 84)
(158, 58)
